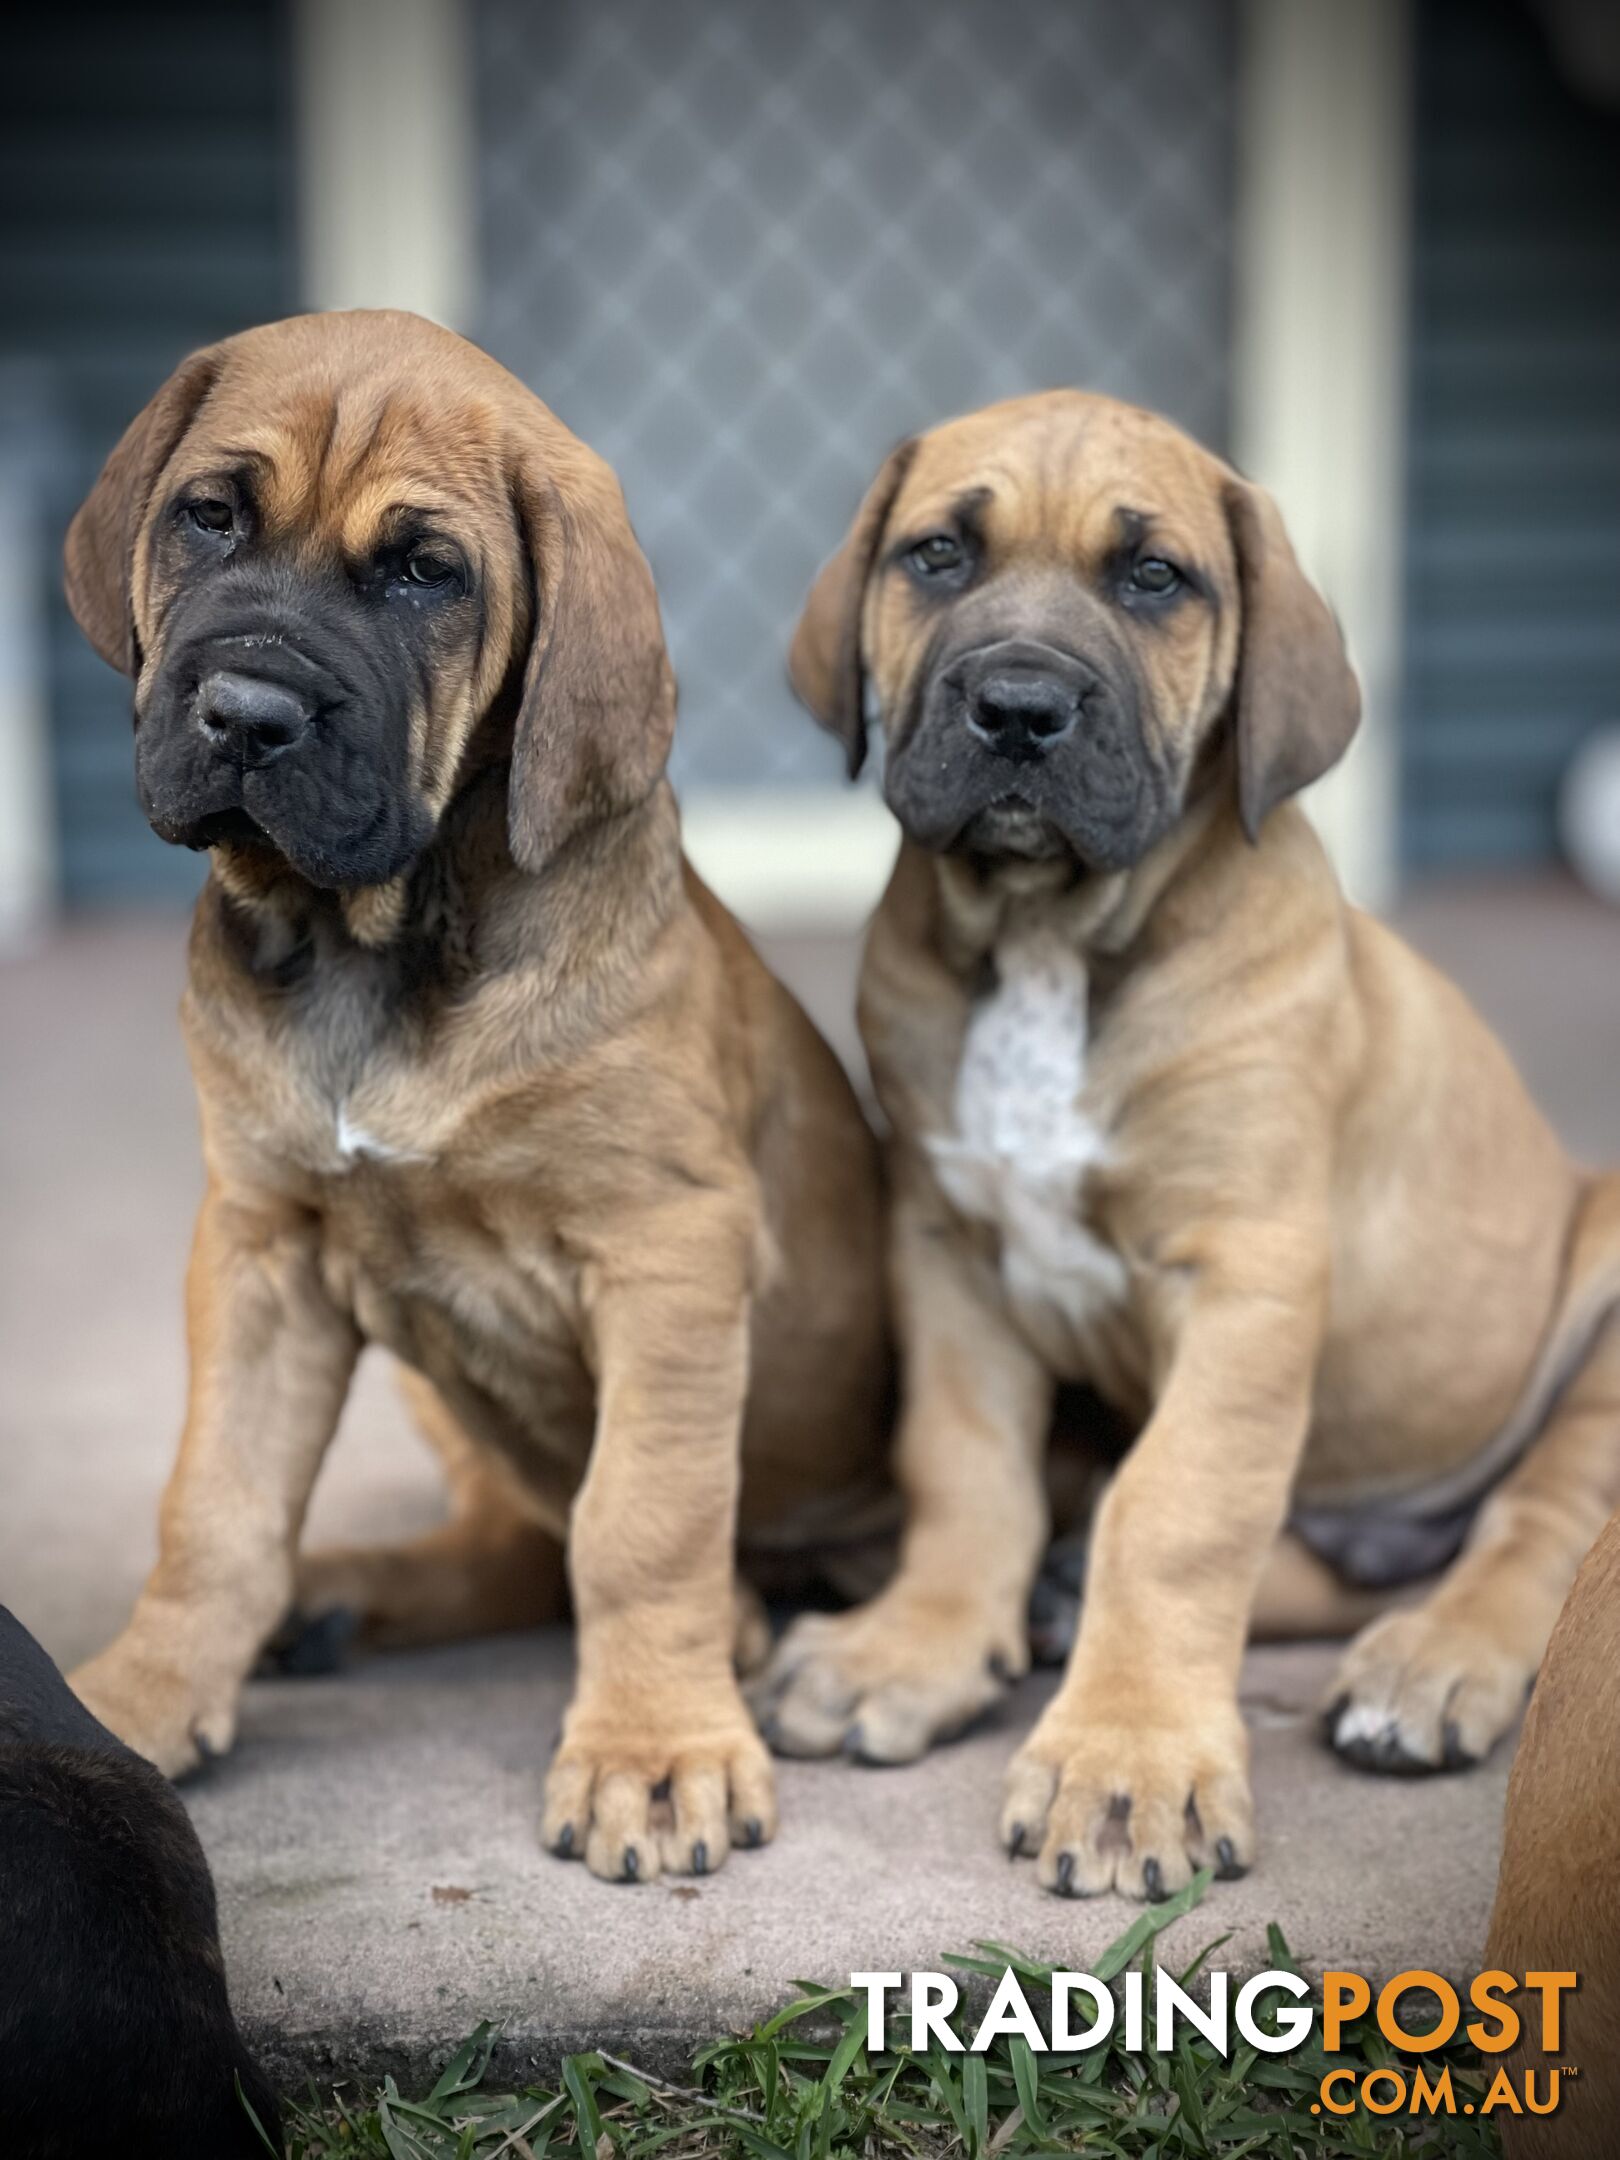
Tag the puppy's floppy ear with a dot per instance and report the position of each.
(1296, 697)
(824, 660)
(597, 710)
(99, 555)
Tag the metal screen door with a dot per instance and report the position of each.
(743, 248)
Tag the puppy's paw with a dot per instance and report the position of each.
(633, 1796)
(1418, 1692)
(1136, 1807)
(163, 1713)
(340, 1602)
(311, 1642)
(886, 1681)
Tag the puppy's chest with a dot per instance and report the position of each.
(421, 1165)
(1025, 1141)
(341, 1074)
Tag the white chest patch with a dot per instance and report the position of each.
(355, 1144)
(1023, 1142)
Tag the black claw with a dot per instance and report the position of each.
(1015, 1841)
(1065, 1874)
(206, 1751)
(1453, 1755)
(1153, 1880)
(564, 1846)
(632, 1864)
(700, 1858)
(753, 1831)
(1385, 1753)
(1046, 1647)
(1227, 1865)
(999, 1668)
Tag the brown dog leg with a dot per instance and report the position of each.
(941, 1642)
(485, 1572)
(1436, 1687)
(492, 1567)
(651, 1563)
(1301, 1599)
(1137, 1771)
(271, 1359)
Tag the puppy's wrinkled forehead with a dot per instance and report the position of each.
(1068, 477)
(340, 461)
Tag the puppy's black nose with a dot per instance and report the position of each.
(1020, 715)
(258, 718)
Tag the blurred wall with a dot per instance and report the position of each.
(146, 207)
(1513, 588)
(745, 250)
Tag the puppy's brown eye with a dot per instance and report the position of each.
(211, 514)
(423, 567)
(1152, 574)
(940, 551)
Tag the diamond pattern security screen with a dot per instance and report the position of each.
(744, 247)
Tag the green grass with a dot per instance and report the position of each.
(802, 2086)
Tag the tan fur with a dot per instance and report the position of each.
(1558, 1898)
(595, 1181)
(1315, 1238)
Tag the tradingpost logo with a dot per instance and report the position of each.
(1274, 2013)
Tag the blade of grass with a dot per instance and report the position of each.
(976, 2103)
(1149, 1923)
(464, 2072)
(401, 2140)
(812, 1996)
(587, 2121)
(515, 2140)
(252, 2116)
(1026, 2072)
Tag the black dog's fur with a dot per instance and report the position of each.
(116, 2033)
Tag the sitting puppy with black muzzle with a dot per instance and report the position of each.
(487, 1077)
(1171, 1119)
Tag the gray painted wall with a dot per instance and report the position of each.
(145, 208)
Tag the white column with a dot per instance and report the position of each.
(28, 867)
(386, 156)
(812, 858)
(1321, 244)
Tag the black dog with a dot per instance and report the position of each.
(116, 2033)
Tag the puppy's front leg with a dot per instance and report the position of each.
(651, 1561)
(271, 1357)
(1138, 1771)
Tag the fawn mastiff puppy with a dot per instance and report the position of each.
(486, 1075)
(1172, 1118)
